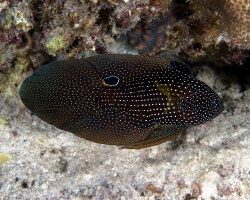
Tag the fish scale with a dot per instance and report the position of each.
(120, 99)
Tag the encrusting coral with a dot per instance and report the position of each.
(63, 27)
(233, 17)
(240, 22)
(216, 32)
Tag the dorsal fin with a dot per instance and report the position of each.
(179, 67)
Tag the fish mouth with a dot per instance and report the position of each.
(26, 92)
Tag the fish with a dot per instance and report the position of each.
(131, 101)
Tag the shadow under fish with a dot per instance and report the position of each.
(126, 100)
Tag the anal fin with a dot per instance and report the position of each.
(157, 135)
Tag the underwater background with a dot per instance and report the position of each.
(211, 161)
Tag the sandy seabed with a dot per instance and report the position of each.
(38, 161)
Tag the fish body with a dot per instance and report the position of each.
(126, 100)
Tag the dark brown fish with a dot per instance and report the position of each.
(126, 100)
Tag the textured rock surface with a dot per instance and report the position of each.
(211, 161)
(35, 31)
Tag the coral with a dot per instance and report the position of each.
(199, 29)
(203, 30)
(231, 16)
(212, 27)
(4, 5)
(64, 28)
(240, 21)
(149, 34)
(22, 20)
(17, 52)
(19, 15)
(93, 24)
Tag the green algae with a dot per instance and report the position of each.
(59, 39)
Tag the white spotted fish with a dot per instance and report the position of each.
(126, 100)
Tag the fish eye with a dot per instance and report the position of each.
(111, 80)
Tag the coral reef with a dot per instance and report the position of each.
(36, 31)
(210, 31)
(66, 27)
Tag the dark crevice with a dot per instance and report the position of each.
(104, 15)
(73, 45)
